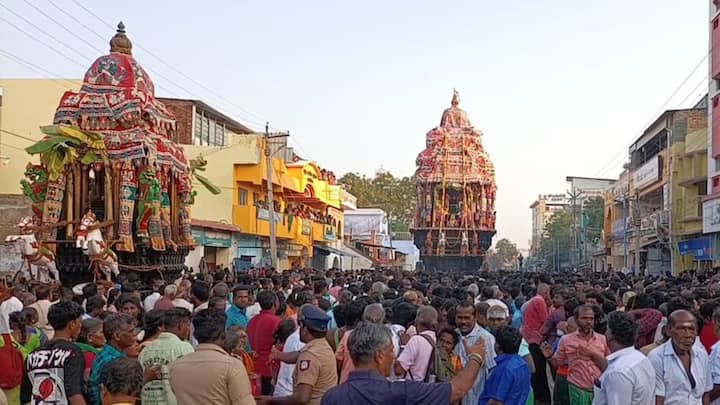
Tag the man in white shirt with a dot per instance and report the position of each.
(150, 300)
(682, 372)
(284, 384)
(715, 361)
(629, 377)
(470, 333)
(42, 306)
(9, 303)
(182, 292)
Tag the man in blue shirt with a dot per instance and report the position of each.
(236, 314)
(119, 331)
(371, 350)
(509, 383)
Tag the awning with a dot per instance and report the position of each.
(326, 250)
(217, 225)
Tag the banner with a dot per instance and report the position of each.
(329, 232)
(264, 215)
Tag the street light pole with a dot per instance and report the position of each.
(271, 204)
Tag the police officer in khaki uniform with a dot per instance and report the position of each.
(316, 368)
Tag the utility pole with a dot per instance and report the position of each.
(636, 225)
(625, 232)
(574, 196)
(271, 204)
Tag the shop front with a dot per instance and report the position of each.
(213, 246)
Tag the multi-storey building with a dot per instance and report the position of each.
(690, 248)
(711, 203)
(542, 209)
(651, 186)
(615, 227)
(202, 125)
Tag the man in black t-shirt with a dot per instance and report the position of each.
(56, 369)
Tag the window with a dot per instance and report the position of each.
(219, 134)
(198, 129)
(242, 196)
(208, 132)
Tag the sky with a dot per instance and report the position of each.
(558, 87)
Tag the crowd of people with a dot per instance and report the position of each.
(364, 337)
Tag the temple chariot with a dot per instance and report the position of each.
(113, 190)
(454, 220)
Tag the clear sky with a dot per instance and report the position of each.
(559, 87)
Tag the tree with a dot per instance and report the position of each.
(593, 220)
(396, 196)
(503, 257)
(556, 244)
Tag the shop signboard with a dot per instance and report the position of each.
(306, 227)
(700, 248)
(647, 173)
(199, 236)
(217, 239)
(711, 216)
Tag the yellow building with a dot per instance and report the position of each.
(615, 227)
(307, 207)
(25, 105)
(689, 185)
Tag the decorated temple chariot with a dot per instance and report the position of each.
(454, 220)
(112, 191)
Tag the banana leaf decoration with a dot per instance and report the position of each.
(199, 164)
(64, 145)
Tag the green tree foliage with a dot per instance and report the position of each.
(593, 219)
(504, 256)
(556, 245)
(395, 195)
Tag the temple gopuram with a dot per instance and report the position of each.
(454, 220)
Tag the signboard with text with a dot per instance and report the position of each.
(217, 239)
(647, 173)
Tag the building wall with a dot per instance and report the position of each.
(26, 105)
(689, 184)
(184, 112)
(542, 210)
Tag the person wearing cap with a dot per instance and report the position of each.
(497, 320)
(316, 369)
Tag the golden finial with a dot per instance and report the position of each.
(120, 42)
(456, 98)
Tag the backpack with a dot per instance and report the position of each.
(12, 370)
(439, 367)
